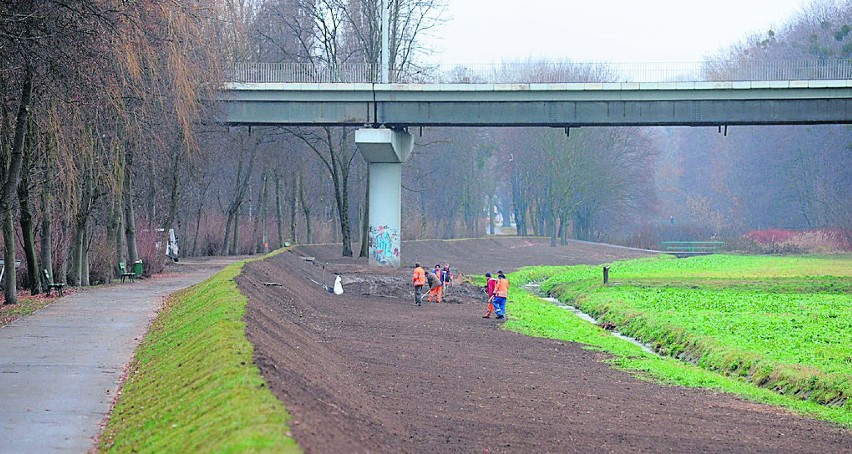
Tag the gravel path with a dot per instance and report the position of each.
(61, 367)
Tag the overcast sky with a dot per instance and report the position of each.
(487, 31)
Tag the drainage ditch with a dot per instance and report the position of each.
(536, 288)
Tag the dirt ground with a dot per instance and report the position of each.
(368, 371)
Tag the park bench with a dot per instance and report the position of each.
(58, 286)
(123, 273)
(691, 248)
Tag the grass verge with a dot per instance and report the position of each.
(780, 323)
(193, 386)
(27, 304)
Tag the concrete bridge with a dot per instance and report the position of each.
(811, 93)
(538, 104)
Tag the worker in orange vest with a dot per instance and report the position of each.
(434, 286)
(439, 273)
(490, 286)
(501, 293)
(419, 279)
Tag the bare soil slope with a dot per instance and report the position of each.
(368, 371)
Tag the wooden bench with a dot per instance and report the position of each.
(691, 248)
(123, 273)
(58, 286)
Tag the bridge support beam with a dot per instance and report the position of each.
(385, 150)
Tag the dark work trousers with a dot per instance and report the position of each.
(418, 294)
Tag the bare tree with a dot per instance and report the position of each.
(328, 35)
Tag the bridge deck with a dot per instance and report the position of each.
(540, 104)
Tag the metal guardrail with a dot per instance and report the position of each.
(3, 269)
(555, 72)
(691, 247)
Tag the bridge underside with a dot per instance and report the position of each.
(333, 105)
(387, 110)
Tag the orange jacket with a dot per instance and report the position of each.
(502, 289)
(419, 277)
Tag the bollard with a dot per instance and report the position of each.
(606, 274)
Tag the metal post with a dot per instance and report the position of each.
(606, 274)
(385, 57)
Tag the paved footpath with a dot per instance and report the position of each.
(61, 367)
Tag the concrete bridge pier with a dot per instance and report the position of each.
(385, 150)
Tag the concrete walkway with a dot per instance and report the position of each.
(61, 367)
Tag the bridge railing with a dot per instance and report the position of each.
(552, 72)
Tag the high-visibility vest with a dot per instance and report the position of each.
(502, 289)
(419, 276)
(490, 286)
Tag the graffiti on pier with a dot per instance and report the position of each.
(384, 245)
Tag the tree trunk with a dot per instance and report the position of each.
(11, 184)
(279, 218)
(151, 201)
(129, 212)
(255, 233)
(340, 181)
(47, 217)
(174, 192)
(551, 226)
(28, 225)
(294, 208)
(77, 255)
(226, 243)
(235, 245)
(198, 214)
(11, 290)
(115, 230)
(234, 207)
(264, 213)
(309, 233)
(84, 263)
(365, 224)
(345, 231)
(114, 224)
(79, 264)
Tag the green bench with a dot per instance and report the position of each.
(123, 273)
(58, 286)
(691, 248)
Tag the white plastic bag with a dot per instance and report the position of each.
(338, 286)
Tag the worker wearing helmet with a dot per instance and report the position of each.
(501, 293)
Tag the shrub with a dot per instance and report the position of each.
(151, 250)
(778, 241)
(770, 236)
(102, 260)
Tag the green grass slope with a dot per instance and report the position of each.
(193, 386)
(780, 326)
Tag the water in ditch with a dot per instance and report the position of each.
(535, 288)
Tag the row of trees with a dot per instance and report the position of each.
(795, 177)
(103, 127)
(91, 91)
(105, 141)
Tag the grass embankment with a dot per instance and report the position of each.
(780, 326)
(193, 386)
